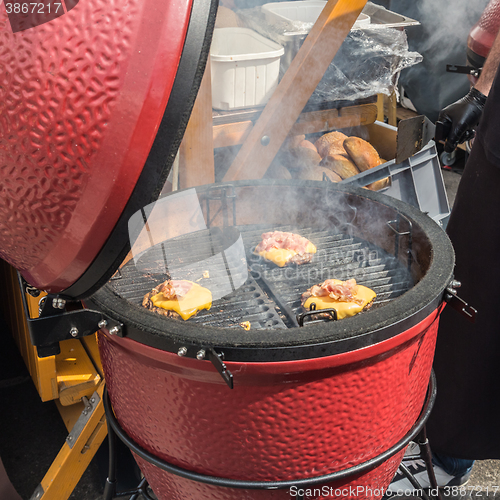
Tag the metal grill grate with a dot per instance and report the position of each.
(270, 297)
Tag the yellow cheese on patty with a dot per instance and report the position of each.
(280, 256)
(344, 309)
(196, 299)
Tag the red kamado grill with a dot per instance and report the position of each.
(94, 105)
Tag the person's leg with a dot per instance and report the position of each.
(453, 466)
(449, 471)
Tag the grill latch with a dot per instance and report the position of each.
(451, 297)
(217, 360)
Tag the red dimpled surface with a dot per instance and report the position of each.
(81, 98)
(281, 421)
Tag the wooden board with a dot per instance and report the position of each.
(311, 122)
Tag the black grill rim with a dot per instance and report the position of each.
(314, 340)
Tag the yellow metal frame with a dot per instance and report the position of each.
(73, 378)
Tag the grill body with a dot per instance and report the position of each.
(287, 420)
(307, 401)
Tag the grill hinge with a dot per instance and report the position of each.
(56, 323)
(216, 358)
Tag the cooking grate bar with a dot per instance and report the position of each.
(342, 257)
(270, 296)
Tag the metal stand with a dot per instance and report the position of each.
(426, 455)
(114, 430)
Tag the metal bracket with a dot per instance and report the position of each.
(38, 493)
(451, 297)
(466, 70)
(397, 236)
(56, 323)
(90, 406)
(223, 193)
(216, 358)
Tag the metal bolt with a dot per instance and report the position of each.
(182, 351)
(265, 140)
(200, 354)
(74, 331)
(455, 284)
(115, 330)
(92, 400)
(70, 438)
(102, 324)
(58, 303)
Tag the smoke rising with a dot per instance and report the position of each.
(446, 25)
(441, 39)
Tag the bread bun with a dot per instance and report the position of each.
(277, 171)
(341, 165)
(335, 150)
(308, 144)
(326, 141)
(293, 141)
(299, 158)
(363, 154)
(317, 174)
(381, 184)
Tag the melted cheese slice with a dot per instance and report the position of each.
(196, 299)
(280, 256)
(344, 309)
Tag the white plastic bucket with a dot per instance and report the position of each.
(245, 68)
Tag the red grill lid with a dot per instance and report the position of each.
(93, 105)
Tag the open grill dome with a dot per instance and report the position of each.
(107, 93)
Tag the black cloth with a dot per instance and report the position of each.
(465, 421)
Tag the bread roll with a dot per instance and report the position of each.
(299, 158)
(363, 154)
(317, 173)
(381, 184)
(308, 144)
(336, 150)
(332, 139)
(277, 171)
(293, 141)
(341, 165)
